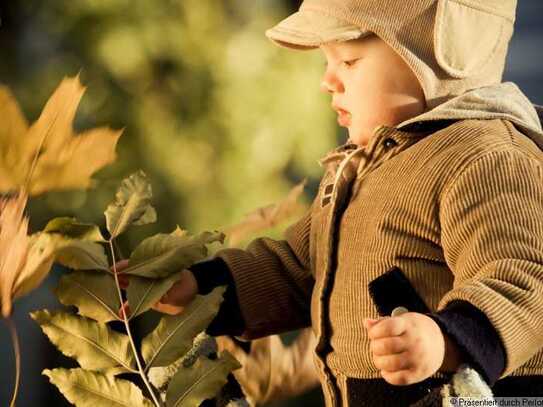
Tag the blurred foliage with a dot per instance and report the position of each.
(221, 119)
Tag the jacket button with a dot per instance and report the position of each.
(389, 143)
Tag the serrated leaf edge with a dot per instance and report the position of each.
(97, 299)
(166, 341)
(46, 372)
(104, 350)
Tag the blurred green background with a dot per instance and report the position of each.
(221, 120)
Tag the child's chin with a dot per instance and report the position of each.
(358, 138)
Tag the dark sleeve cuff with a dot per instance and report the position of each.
(213, 273)
(475, 337)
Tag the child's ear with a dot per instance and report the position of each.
(457, 22)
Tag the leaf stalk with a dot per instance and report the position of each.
(141, 371)
(17, 353)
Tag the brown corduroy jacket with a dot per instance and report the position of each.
(459, 210)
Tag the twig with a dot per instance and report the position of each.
(128, 332)
(17, 353)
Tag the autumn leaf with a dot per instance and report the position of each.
(14, 244)
(191, 386)
(266, 217)
(94, 345)
(49, 155)
(71, 227)
(38, 263)
(163, 254)
(79, 254)
(26, 260)
(132, 205)
(92, 389)
(174, 334)
(143, 293)
(94, 294)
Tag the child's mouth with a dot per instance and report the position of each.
(343, 118)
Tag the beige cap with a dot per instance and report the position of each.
(308, 29)
(452, 46)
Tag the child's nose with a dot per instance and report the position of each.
(331, 84)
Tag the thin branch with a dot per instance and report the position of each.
(141, 371)
(17, 353)
(118, 250)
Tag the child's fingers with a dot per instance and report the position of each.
(399, 378)
(369, 322)
(388, 346)
(389, 326)
(123, 281)
(125, 308)
(392, 363)
(120, 266)
(167, 308)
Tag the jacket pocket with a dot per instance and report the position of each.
(469, 33)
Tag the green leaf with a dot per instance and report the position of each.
(94, 294)
(163, 254)
(80, 254)
(89, 389)
(143, 293)
(203, 380)
(132, 205)
(174, 334)
(203, 346)
(93, 345)
(206, 237)
(71, 227)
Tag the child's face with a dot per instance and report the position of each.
(370, 85)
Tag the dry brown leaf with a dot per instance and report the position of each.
(13, 246)
(272, 371)
(25, 260)
(65, 160)
(266, 217)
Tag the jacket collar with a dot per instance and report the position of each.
(501, 101)
(382, 135)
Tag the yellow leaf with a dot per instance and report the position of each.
(11, 141)
(50, 152)
(39, 260)
(73, 166)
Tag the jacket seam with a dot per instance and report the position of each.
(508, 129)
(503, 149)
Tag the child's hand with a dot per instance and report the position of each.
(173, 302)
(181, 294)
(407, 348)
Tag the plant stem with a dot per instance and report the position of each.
(17, 352)
(127, 326)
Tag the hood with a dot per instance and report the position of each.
(502, 101)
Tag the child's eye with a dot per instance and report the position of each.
(350, 62)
